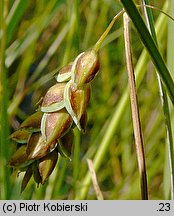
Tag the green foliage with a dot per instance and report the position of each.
(41, 37)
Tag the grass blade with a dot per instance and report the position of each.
(150, 46)
(170, 64)
(135, 111)
(164, 103)
(118, 113)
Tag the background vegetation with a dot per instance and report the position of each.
(42, 36)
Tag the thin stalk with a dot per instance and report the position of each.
(94, 180)
(169, 143)
(4, 128)
(60, 177)
(170, 44)
(150, 46)
(135, 111)
(76, 158)
(170, 64)
(164, 102)
(155, 8)
(115, 119)
(103, 36)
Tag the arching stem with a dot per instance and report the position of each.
(103, 36)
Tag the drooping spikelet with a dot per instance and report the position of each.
(48, 132)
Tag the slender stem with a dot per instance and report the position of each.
(164, 101)
(60, 177)
(150, 46)
(103, 36)
(135, 111)
(76, 158)
(146, 5)
(94, 180)
(169, 141)
(119, 111)
(170, 64)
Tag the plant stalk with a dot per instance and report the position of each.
(164, 101)
(103, 36)
(119, 112)
(150, 46)
(135, 111)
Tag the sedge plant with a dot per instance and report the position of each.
(47, 135)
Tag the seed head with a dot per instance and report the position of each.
(48, 132)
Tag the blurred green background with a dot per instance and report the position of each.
(41, 37)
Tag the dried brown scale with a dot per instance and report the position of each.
(26, 179)
(64, 73)
(36, 173)
(37, 148)
(79, 99)
(83, 121)
(40, 169)
(65, 144)
(46, 165)
(57, 124)
(86, 68)
(54, 94)
(66, 69)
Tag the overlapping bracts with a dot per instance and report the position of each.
(48, 132)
